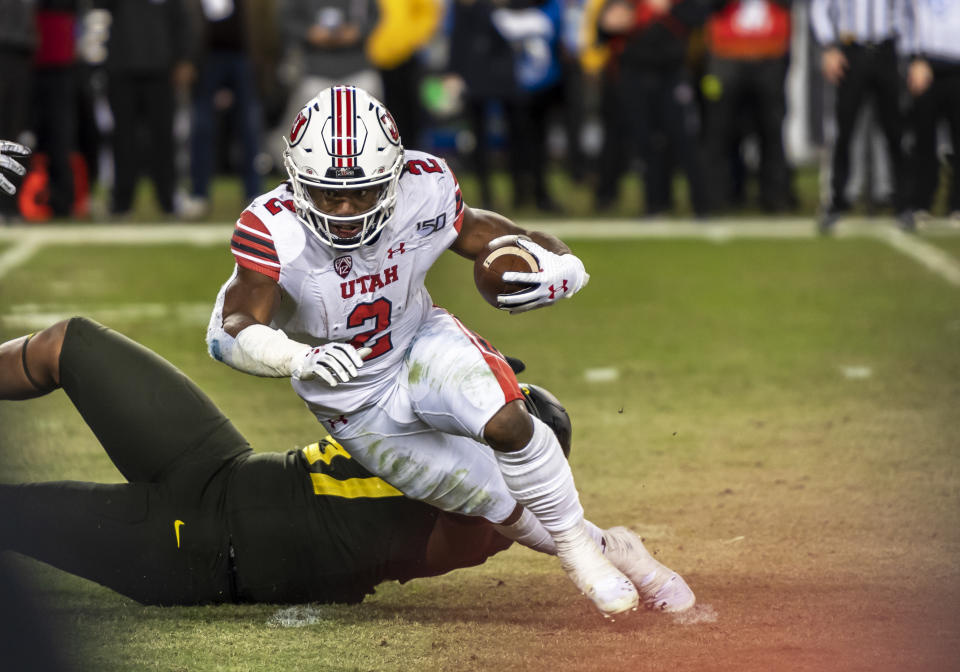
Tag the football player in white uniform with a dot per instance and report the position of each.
(329, 291)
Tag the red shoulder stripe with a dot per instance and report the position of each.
(253, 248)
(253, 223)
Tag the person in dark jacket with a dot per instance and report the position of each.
(148, 60)
(933, 80)
(651, 101)
(483, 59)
(55, 98)
(748, 54)
(860, 60)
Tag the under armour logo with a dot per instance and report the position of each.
(392, 251)
(333, 422)
(553, 290)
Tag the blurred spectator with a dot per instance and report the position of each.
(483, 59)
(405, 27)
(575, 86)
(870, 174)
(225, 67)
(652, 105)
(932, 40)
(594, 60)
(507, 54)
(331, 36)
(324, 43)
(532, 28)
(148, 61)
(17, 44)
(748, 54)
(860, 59)
(55, 100)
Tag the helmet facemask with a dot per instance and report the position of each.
(370, 222)
(344, 139)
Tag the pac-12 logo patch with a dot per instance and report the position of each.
(297, 131)
(342, 265)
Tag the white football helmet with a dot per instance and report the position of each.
(344, 139)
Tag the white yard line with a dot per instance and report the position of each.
(28, 239)
(929, 256)
(17, 254)
(122, 234)
(30, 316)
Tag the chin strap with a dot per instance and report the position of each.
(26, 369)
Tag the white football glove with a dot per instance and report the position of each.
(332, 363)
(560, 277)
(7, 147)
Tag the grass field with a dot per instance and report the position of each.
(779, 418)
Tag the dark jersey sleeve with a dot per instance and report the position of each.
(313, 526)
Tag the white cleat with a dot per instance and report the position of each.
(593, 574)
(661, 588)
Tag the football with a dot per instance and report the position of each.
(501, 255)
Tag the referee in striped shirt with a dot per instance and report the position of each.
(859, 40)
(931, 37)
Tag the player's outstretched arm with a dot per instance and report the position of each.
(250, 345)
(561, 273)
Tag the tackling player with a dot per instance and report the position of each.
(329, 290)
(204, 519)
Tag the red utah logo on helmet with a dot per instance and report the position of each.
(389, 126)
(299, 126)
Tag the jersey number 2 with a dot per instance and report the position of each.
(415, 166)
(379, 311)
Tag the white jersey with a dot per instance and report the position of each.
(373, 295)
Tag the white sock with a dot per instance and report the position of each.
(595, 533)
(529, 532)
(540, 479)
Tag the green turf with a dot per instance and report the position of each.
(950, 243)
(734, 437)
